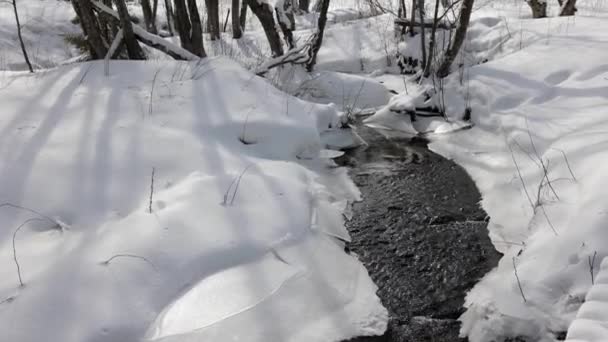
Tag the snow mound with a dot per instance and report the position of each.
(537, 154)
(591, 322)
(195, 202)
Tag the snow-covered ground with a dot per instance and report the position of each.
(538, 153)
(244, 236)
(243, 240)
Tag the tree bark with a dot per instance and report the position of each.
(568, 8)
(133, 49)
(304, 5)
(318, 39)
(422, 33)
(263, 11)
(413, 18)
(459, 36)
(213, 18)
(170, 17)
(149, 22)
(237, 32)
(432, 44)
(182, 24)
(196, 35)
(538, 7)
(287, 22)
(243, 15)
(23, 50)
(152, 40)
(90, 27)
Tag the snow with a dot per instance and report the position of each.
(45, 25)
(537, 106)
(590, 323)
(246, 235)
(246, 230)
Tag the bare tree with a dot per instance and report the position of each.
(23, 50)
(213, 18)
(263, 11)
(433, 43)
(422, 33)
(459, 36)
(237, 32)
(538, 7)
(568, 7)
(133, 49)
(170, 17)
(88, 21)
(304, 5)
(149, 20)
(189, 27)
(286, 18)
(318, 37)
(243, 15)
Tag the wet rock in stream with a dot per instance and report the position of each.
(421, 234)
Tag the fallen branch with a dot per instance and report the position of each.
(300, 55)
(152, 40)
(444, 25)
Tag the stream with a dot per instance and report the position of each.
(419, 231)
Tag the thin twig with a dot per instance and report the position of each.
(10, 205)
(567, 162)
(151, 191)
(21, 284)
(521, 290)
(152, 92)
(591, 262)
(545, 168)
(107, 262)
(542, 207)
(238, 182)
(521, 178)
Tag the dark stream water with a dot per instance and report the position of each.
(420, 232)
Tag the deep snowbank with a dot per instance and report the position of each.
(538, 153)
(240, 242)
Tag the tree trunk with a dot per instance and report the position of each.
(213, 18)
(243, 16)
(182, 24)
(196, 35)
(432, 44)
(538, 7)
(304, 5)
(318, 40)
(154, 13)
(287, 22)
(568, 8)
(422, 33)
(264, 13)
(148, 20)
(170, 17)
(237, 32)
(23, 50)
(91, 29)
(413, 18)
(459, 37)
(133, 49)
